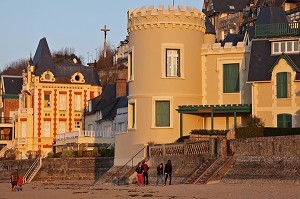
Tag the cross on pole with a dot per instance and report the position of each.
(105, 33)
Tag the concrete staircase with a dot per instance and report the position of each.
(199, 171)
(32, 171)
(9, 145)
(212, 170)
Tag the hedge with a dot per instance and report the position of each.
(209, 132)
(248, 132)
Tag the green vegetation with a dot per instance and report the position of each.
(209, 132)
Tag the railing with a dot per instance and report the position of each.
(278, 29)
(9, 145)
(190, 148)
(21, 140)
(92, 134)
(25, 111)
(32, 171)
(6, 120)
(124, 166)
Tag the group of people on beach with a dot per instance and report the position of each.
(16, 181)
(142, 173)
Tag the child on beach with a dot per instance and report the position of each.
(20, 183)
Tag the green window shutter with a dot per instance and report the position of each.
(162, 113)
(231, 78)
(284, 121)
(281, 80)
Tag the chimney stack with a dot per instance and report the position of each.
(121, 87)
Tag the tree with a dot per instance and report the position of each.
(107, 71)
(255, 122)
(15, 67)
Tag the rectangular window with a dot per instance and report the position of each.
(131, 115)
(130, 66)
(285, 47)
(47, 101)
(283, 81)
(62, 102)
(162, 113)
(296, 46)
(24, 129)
(284, 121)
(77, 102)
(47, 125)
(173, 63)
(231, 79)
(282, 47)
(62, 127)
(275, 47)
(289, 46)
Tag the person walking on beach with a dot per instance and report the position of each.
(20, 183)
(160, 173)
(168, 172)
(140, 177)
(145, 168)
(14, 179)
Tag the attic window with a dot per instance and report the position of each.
(77, 78)
(231, 7)
(47, 76)
(285, 47)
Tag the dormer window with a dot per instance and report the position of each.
(47, 76)
(285, 47)
(231, 7)
(77, 78)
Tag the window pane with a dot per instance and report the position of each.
(46, 100)
(276, 48)
(283, 47)
(296, 46)
(162, 113)
(173, 63)
(63, 102)
(284, 121)
(231, 80)
(281, 85)
(289, 46)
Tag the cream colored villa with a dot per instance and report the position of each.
(180, 79)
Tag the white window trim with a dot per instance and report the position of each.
(285, 42)
(162, 98)
(132, 101)
(173, 46)
(131, 59)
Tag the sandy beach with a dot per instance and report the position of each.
(85, 189)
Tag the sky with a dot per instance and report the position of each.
(67, 23)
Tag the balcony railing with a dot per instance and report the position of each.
(277, 30)
(92, 134)
(6, 120)
(25, 111)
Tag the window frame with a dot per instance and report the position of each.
(132, 114)
(284, 44)
(284, 120)
(63, 102)
(131, 64)
(49, 100)
(283, 89)
(154, 114)
(226, 80)
(175, 68)
(172, 46)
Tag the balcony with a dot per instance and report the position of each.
(6, 120)
(277, 30)
(25, 111)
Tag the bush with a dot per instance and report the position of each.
(249, 132)
(182, 138)
(50, 154)
(79, 153)
(209, 132)
(68, 154)
(57, 155)
(95, 151)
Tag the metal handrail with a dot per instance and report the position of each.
(37, 162)
(130, 160)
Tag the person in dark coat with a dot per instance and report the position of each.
(14, 177)
(145, 172)
(168, 172)
(160, 173)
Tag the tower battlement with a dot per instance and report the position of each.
(143, 18)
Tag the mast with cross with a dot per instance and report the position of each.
(105, 30)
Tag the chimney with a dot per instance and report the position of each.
(120, 87)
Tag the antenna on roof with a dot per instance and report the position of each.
(173, 2)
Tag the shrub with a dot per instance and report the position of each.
(79, 153)
(50, 154)
(209, 132)
(95, 151)
(57, 155)
(68, 154)
(248, 132)
(255, 122)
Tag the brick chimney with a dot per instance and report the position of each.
(120, 87)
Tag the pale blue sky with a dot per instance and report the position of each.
(66, 23)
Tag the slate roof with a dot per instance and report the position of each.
(261, 61)
(209, 28)
(43, 61)
(11, 85)
(229, 6)
(107, 102)
(233, 38)
(271, 15)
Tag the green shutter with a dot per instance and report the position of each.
(284, 121)
(231, 79)
(162, 113)
(281, 80)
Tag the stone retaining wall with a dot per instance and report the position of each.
(265, 158)
(59, 168)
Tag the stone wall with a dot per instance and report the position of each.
(60, 169)
(265, 158)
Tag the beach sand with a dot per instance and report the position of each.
(85, 189)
